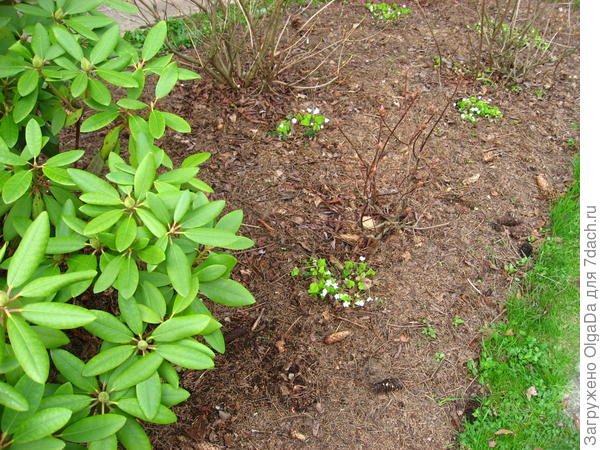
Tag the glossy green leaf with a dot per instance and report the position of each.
(99, 120)
(166, 82)
(171, 396)
(120, 79)
(154, 40)
(137, 372)
(11, 398)
(93, 428)
(211, 237)
(47, 443)
(156, 124)
(176, 123)
(105, 45)
(109, 328)
(57, 315)
(227, 292)
(128, 277)
(28, 349)
(151, 222)
(99, 93)
(65, 158)
(133, 437)
(109, 274)
(204, 214)
(178, 328)
(126, 233)
(103, 222)
(90, 183)
(68, 42)
(144, 175)
(41, 424)
(179, 270)
(30, 252)
(71, 367)
(50, 337)
(148, 394)
(16, 186)
(108, 443)
(45, 286)
(185, 356)
(107, 360)
(79, 85)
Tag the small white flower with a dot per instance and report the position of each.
(360, 303)
(369, 299)
(346, 304)
(322, 127)
(362, 258)
(334, 285)
(316, 111)
(326, 120)
(324, 293)
(337, 296)
(309, 110)
(294, 120)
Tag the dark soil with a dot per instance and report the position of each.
(445, 258)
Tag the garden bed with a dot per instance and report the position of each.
(279, 384)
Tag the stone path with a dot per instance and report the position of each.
(164, 8)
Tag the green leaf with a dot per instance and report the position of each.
(90, 183)
(33, 137)
(227, 292)
(103, 222)
(99, 92)
(210, 273)
(120, 79)
(133, 437)
(231, 222)
(30, 252)
(51, 338)
(156, 124)
(131, 406)
(176, 123)
(48, 443)
(46, 286)
(155, 39)
(98, 198)
(203, 215)
(211, 237)
(152, 255)
(71, 367)
(79, 84)
(57, 315)
(148, 395)
(154, 299)
(108, 443)
(144, 175)
(171, 396)
(166, 82)
(107, 360)
(130, 103)
(179, 176)
(179, 270)
(99, 120)
(16, 186)
(126, 233)
(178, 328)
(28, 349)
(185, 356)
(41, 424)
(151, 222)
(11, 398)
(128, 278)
(68, 42)
(105, 45)
(28, 82)
(93, 428)
(109, 274)
(65, 158)
(24, 106)
(107, 327)
(137, 372)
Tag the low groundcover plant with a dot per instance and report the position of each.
(384, 11)
(311, 120)
(348, 284)
(473, 108)
(144, 242)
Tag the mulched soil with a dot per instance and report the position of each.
(440, 254)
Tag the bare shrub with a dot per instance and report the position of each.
(513, 39)
(262, 42)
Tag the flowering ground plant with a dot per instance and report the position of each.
(473, 108)
(384, 11)
(348, 283)
(311, 120)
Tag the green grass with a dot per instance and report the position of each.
(537, 345)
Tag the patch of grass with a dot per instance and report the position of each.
(528, 362)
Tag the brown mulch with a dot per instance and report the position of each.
(279, 385)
